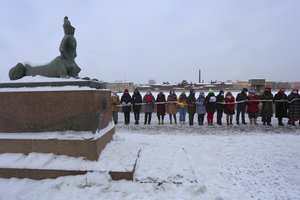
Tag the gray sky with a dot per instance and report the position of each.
(164, 40)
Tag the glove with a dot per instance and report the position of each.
(123, 104)
(128, 104)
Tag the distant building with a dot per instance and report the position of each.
(257, 84)
(294, 85)
(238, 85)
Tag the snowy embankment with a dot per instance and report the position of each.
(183, 162)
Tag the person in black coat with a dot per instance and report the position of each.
(161, 107)
(241, 100)
(136, 105)
(281, 105)
(267, 106)
(191, 106)
(126, 105)
(210, 105)
(220, 107)
(294, 106)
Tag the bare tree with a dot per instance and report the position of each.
(151, 82)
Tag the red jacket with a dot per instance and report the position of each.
(253, 104)
(229, 104)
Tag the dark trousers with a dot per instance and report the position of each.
(280, 121)
(191, 119)
(200, 119)
(148, 117)
(174, 116)
(219, 116)
(136, 115)
(127, 117)
(240, 111)
(266, 120)
(162, 117)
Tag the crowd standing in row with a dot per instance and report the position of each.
(285, 106)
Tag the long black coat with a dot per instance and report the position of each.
(126, 98)
(191, 104)
(161, 106)
(294, 106)
(220, 99)
(267, 106)
(281, 105)
(209, 104)
(136, 99)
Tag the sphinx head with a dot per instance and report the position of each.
(68, 28)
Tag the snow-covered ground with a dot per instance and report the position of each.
(182, 162)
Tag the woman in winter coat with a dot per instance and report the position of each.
(229, 107)
(191, 107)
(115, 101)
(220, 107)
(182, 103)
(281, 103)
(200, 104)
(149, 101)
(253, 109)
(172, 106)
(126, 105)
(161, 107)
(136, 105)
(241, 99)
(267, 106)
(294, 106)
(210, 102)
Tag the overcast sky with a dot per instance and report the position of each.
(164, 40)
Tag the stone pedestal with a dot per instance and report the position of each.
(79, 110)
(42, 111)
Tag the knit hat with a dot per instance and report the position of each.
(244, 90)
(210, 91)
(126, 91)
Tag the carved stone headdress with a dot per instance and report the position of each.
(68, 28)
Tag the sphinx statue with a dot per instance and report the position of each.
(63, 66)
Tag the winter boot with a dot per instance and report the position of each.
(158, 121)
(227, 121)
(293, 123)
(255, 121)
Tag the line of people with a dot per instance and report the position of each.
(286, 106)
